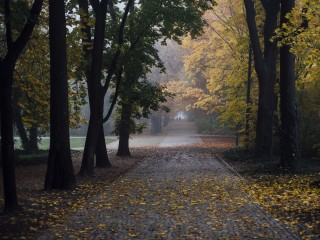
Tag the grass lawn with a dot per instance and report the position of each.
(75, 142)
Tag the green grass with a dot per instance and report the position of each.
(75, 142)
(25, 159)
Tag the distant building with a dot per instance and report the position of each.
(180, 116)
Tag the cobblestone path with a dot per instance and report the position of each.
(182, 193)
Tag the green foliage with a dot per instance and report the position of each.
(144, 98)
(148, 23)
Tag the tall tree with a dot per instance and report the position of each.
(290, 152)
(102, 159)
(137, 102)
(265, 65)
(60, 170)
(96, 89)
(155, 14)
(217, 66)
(7, 66)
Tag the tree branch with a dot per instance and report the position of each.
(27, 30)
(8, 24)
(254, 38)
(115, 97)
(112, 11)
(120, 43)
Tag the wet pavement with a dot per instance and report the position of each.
(182, 192)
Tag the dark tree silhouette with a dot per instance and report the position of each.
(102, 160)
(265, 66)
(7, 66)
(60, 170)
(96, 88)
(124, 130)
(290, 152)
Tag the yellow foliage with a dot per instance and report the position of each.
(218, 62)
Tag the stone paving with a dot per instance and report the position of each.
(183, 193)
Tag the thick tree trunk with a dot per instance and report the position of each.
(265, 66)
(33, 139)
(60, 170)
(87, 163)
(8, 166)
(290, 152)
(102, 159)
(267, 98)
(124, 131)
(266, 108)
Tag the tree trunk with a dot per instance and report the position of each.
(290, 152)
(95, 90)
(124, 131)
(7, 66)
(89, 148)
(248, 101)
(266, 108)
(156, 126)
(29, 144)
(237, 138)
(166, 120)
(21, 129)
(60, 170)
(8, 166)
(33, 139)
(102, 159)
(265, 66)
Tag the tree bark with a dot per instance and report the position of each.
(290, 152)
(248, 101)
(102, 159)
(87, 164)
(99, 91)
(60, 170)
(8, 166)
(265, 66)
(33, 139)
(7, 66)
(95, 90)
(124, 131)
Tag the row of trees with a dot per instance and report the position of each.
(243, 36)
(106, 48)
